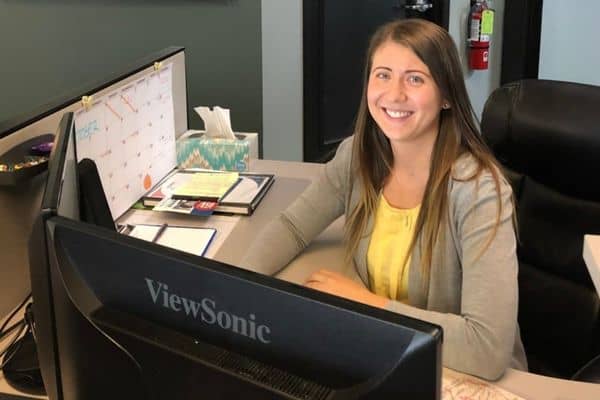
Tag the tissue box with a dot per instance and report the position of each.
(195, 150)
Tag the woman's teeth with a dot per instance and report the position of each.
(398, 114)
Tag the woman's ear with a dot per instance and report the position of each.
(445, 105)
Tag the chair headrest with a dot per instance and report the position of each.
(548, 130)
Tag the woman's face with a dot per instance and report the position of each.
(402, 96)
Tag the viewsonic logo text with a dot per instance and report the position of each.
(208, 312)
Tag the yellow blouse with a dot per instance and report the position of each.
(392, 231)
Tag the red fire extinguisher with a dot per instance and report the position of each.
(481, 25)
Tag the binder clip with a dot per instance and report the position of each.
(158, 65)
(86, 101)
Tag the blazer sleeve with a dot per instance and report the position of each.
(480, 339)
(293, 229)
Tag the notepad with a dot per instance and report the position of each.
(189, 239)
(210, 186)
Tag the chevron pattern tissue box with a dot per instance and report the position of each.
(198, 151)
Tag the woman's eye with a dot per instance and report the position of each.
(415, 80)
(382, 75)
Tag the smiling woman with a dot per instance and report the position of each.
(403, 98)
(428, 214)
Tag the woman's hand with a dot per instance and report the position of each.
(340, 285)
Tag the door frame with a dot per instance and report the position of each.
(521, 41)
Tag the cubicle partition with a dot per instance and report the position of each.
(20, 190)
(22, 180)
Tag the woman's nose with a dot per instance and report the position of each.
(397, 91)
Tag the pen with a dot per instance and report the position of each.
(159, 233)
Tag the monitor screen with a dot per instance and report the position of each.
(128, 318)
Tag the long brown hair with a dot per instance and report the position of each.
(458, 134)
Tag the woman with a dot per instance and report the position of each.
(428, 214)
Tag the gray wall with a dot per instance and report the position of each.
(67, 43)
(50, 47)
(282, 79)
(568, 45)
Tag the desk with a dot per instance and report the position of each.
(326, 252)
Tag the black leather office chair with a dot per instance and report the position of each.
(547, 135)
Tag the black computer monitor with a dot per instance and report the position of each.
(118, 317)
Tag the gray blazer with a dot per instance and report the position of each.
(472, 296)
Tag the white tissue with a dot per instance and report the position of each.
(216, 122)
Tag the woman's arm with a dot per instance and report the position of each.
(319, 205)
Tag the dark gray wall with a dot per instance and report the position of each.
(50, 47)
